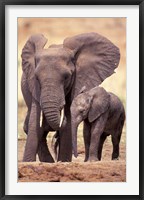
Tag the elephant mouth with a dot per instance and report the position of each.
(61, 117)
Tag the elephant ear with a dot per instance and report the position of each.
(99, 104)
(33, 45)
(95, 58)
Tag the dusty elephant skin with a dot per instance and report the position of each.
(103, 114)
(52, 77)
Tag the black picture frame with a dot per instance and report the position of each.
(3, 3)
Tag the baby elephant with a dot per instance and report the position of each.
(103, 114)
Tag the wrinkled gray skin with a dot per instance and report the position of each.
(52, 77)
(103, 115)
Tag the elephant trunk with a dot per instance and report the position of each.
(52, 116)
(74, 128)
(51, 108)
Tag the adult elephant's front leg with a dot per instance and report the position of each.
(65, 144)
(33, 130)
(43, 150)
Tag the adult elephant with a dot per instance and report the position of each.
(52, 77)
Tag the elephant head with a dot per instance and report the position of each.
(88, 105)
(49, 74)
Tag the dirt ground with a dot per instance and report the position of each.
(105, 170)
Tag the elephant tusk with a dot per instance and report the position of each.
(62, 117)
(41, 119)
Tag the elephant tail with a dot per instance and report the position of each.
(55, 144)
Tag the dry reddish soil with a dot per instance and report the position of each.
(76, 171)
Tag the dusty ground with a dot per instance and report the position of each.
(102, 171)
(105, 171)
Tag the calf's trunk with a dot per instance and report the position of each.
(74, 128)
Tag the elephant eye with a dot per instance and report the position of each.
(67, 75)
(81, 110)
(36, 77)
(73, 60)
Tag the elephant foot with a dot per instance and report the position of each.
(117, 158)
(29, 159)
(48, 159)
(29, 156)
(93, 159)
(86, 159)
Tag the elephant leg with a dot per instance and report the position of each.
(33, 130)
(28, 100)
(26, 122)
(96, 132)
(116, 136)
(65, 139)
(87, 136)
(43, 150)
(102, 140)
(115, 142)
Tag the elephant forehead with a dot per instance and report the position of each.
(79, 100)
(53, 54)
